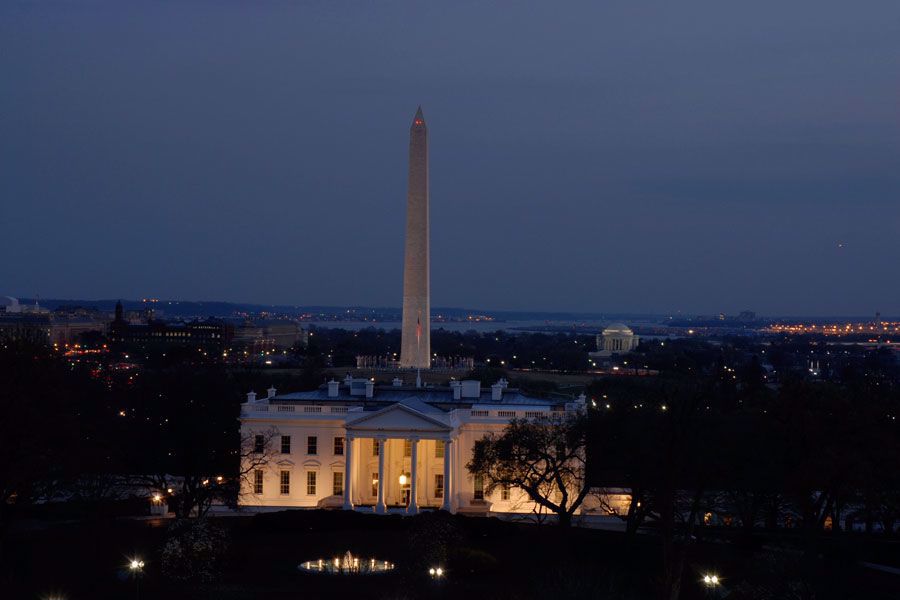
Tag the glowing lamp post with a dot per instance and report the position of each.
(712, 582)
(136, 567)
(158, 505)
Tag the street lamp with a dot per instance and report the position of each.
(712, 581)
(436, 572)
(136, 566)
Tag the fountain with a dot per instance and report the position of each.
(347, 565)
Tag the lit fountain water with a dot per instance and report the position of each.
(347, 565)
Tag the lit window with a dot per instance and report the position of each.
(374, 484)
(337, 485)
(259, 444)
(407, 447)
(479, 488)
(338, 446)
(285, 483)
(312, 445)
(439, 485)
(310, 483)
(285, 444)
(439, 449)
(257, 482)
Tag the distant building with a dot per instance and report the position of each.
(617, 338)
(33, 322)
(10, 305)
(211, 335)
(269, 334)
(24, 326)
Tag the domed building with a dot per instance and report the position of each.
(616, 338)
(10, 305)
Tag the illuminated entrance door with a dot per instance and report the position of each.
(405, 482)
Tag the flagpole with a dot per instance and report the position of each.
(419, 350)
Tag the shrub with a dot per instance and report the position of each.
(194, 551)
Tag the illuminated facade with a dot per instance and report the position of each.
(358, 446)
(617, 338)
(210, 335)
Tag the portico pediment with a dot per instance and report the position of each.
(398, 418)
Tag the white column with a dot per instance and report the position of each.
(348, 472)
(413, 507)
(445, 505)
(379, 506)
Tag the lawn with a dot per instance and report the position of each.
(483, 558)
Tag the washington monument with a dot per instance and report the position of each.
(415, 347)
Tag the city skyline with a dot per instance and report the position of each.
(629, 159)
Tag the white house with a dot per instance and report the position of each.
(361, 446)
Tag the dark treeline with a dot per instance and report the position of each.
(711, 446)
(560, 351)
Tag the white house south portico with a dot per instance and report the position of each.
(360, 446)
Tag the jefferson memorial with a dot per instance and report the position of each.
(361, 446)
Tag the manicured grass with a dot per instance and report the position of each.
(483, 558)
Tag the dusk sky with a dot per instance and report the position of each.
(617, 156)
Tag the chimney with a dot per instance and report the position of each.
(397, 382)
(251, 396)
(348, 379)
(582, 399)
(370, 388)
(497, 391)
(333, 387)
(503, 382)
(271, 392)
(471, 388)
(456, 388)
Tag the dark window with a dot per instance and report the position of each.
(337, 486)
(257, 482)
(259, 444)
(285, 483)
(312, 445)
(479, 488)
(338, 446)
(439, 486)
(285, 444)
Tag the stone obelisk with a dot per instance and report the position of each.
(415, 346)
